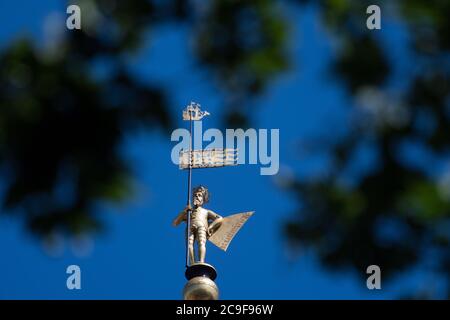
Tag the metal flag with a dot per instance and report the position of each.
(228, 229)
(208, 158)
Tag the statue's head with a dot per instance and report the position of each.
(200, 196)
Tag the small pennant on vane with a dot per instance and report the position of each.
(193, 112)
(208, 158)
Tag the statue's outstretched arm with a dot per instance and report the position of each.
(182, 216)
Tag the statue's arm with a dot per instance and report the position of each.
(181, 217)
(216, 221)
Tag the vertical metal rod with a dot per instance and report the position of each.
(188, 224)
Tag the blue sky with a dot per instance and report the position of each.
(140, 255)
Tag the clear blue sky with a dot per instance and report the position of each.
(141, 256)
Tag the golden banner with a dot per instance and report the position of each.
(228, 229)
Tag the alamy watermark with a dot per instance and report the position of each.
(74, 20)
(374, 280)
(74, 280)
(374, 20)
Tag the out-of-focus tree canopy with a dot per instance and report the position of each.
(395, 214)
(61, 125)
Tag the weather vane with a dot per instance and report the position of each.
(203, 224)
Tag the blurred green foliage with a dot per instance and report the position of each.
(345, 217)
(61, 125)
